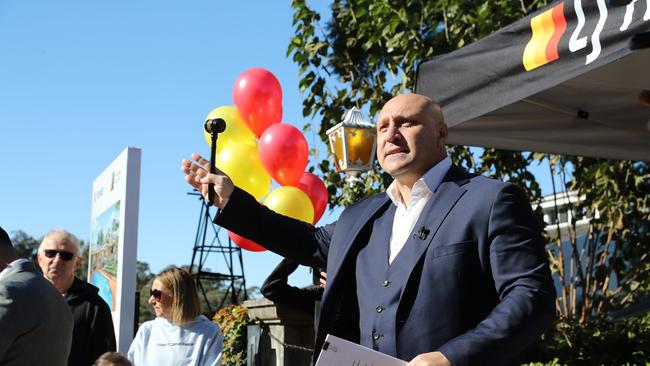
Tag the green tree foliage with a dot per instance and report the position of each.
(366, 52)
(596, 341)
(609, 269)
(82, 271)
(143, 280)
(25, 244)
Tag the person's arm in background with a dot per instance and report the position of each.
(275, 284)
(277, 289)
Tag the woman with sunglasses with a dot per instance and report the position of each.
(179, 335)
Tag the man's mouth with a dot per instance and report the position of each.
(394, 150)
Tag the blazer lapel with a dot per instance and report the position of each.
(376, 205)
(431, 218)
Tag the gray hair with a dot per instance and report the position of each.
(65, 236)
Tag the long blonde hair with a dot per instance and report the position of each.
(185, 300)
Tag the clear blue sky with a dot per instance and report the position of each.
(82, 80)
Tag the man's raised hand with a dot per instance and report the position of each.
(196, 174)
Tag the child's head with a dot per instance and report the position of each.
(112, 359)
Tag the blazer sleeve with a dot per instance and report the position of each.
(288, 237)
(522, 278)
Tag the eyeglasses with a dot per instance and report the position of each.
(157, 294)
(51, 253)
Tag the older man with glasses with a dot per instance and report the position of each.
(93, 334)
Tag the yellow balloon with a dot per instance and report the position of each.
(241, 162)
(292, 202)
(236, 130)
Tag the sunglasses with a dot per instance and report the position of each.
(51, 253)
(157, 294)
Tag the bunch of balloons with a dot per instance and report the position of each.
(256, 147)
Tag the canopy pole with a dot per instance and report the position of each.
(557, 108)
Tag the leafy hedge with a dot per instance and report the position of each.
(596, 342)
(233, 320)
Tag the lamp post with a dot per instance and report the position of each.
(353, 143)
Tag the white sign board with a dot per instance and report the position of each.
(114, 240)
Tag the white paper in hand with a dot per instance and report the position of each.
(339, 352)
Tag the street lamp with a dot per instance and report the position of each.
(353, 143)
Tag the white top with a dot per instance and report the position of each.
(406, 216)
(5, 270)
(159, 342)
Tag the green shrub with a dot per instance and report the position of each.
(596, 342)
(233, 320)
(555, 362)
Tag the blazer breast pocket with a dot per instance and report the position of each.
(455, 248)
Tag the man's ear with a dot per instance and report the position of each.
(77, 262)
(442, 134)
(442, 131)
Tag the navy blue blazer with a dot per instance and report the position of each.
(479, 291)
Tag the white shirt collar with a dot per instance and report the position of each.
(428, 183)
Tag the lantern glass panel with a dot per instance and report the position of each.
(337, 145)
(361, 146)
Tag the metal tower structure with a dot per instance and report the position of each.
(226, 256)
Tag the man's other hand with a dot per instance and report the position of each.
(323, 279)
(196, 174)
(430, 359)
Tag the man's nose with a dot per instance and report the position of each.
(392, 132)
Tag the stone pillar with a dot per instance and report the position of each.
(287, 327)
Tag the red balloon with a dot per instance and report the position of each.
(316, 191)
(245, 243)
(258, 97)
(284, 153)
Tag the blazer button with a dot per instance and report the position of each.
(379, 309)
(376, 336)
(385, 283)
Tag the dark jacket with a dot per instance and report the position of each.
(93, 332)
(35, 322)
(478, 286)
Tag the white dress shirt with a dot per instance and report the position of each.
(406, 216)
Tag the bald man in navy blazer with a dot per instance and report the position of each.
(444, 268)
